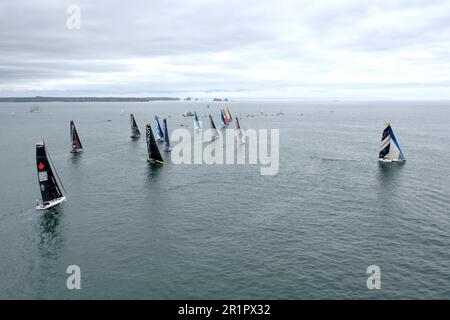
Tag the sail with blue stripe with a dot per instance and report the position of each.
(390, 150)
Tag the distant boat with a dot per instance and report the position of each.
(197, 125)
(159, 131)
(188, 114)
(213, 127)
(154, 156)
(167, 147)
(228, 116)
(241, 139)
(135, 133)
(390, 150)
(223, 119)
(49, 183)
(35, 108)
(76, 143)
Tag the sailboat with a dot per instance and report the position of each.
(390, 150)
(223, 118)
(135, 133)
(154, 156)
(228, 116)
(49, 183)
(197, 125)
(241, 138)
(159, 131)
(213, 127)
(76, 143)
(167, 147)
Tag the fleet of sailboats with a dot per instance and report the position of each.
(51, 187)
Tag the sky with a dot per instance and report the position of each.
(393, 49)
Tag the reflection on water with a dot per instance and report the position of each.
(389, 178)
(51, 237)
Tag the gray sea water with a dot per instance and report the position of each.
(226, 232)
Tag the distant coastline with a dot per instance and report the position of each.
(86, 99)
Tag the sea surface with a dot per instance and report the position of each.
(226, 231)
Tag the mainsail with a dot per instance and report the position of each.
(390, 149)
(154, 156)
(241, 138)
(213, 127)
(76, 143)
(167, 147)
(196, 122)
(49, 183)
(228, 116)
(223, 118)
(135, 133)
(159, 131)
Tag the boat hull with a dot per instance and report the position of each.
(391, 161)
(50, 204)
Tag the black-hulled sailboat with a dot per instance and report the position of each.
(154, 156)
(167, 147)
(215, 134)
(76, 143)
(49, 183)
(241, 138)
(390, 150)
(135, 133)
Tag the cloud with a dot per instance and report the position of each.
(242, 48)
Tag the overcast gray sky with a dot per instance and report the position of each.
(255, 48)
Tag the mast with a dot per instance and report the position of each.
(166, 137)
(76, 143)
(159, 132)
(154, 156)
(49, 183)
(390, 150)
(135, 133)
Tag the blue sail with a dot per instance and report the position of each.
(166, 137)
(158, 129)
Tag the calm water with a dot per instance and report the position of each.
(220, 231)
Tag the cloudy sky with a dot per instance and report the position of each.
(231, 48)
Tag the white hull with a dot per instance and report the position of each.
(390, 161)
(50, 204)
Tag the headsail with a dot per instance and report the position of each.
(154, 155)
(159, 131)
(167, 147)
(135, 133)
(76, 143)
(197, 125)
(390, 150)
(241, 138)
(49, 184)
